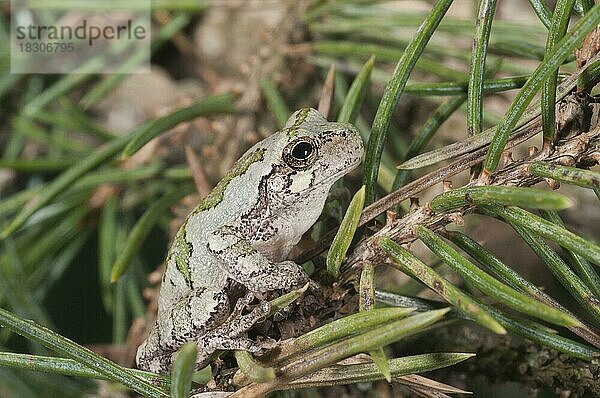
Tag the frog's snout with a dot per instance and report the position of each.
(355, 143)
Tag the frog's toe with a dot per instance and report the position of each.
(263, 310)
(209, 345)
(258, 314)
(240, 305)
(255, 347)
(314, 286)
(251, 346)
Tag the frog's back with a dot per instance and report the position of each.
(189, 265)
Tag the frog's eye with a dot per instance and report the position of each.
(300, 153)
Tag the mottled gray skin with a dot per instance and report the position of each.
(233, 246)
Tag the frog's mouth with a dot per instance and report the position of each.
(342, 172)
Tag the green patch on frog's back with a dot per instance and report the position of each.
(239, 168)
(300, 118)
(181, 251)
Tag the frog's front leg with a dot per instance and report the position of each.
(244, 264)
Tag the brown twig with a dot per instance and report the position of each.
(573, 150)
(326, 99)
(200, 180)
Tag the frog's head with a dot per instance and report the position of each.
(311, 155)
(319, 150)
(297, 167)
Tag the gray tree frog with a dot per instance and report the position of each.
(234, 244)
